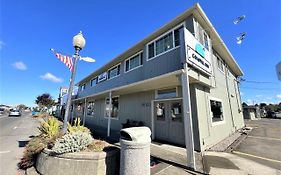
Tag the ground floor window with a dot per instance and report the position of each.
(90, 108)
(216, 110)
(115, 107)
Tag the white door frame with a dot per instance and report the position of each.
(152, 113)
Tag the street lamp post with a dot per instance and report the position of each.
(78, 43)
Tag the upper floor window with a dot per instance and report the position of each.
(113, 72)
(94, 81)
(134, 62)
(164, 43)
(83, 87)
(220, 63)
(202, 36)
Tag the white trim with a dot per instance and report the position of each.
(109, 78)
(152, 120)
(154, 41)
(105, 106)
(152, 58)
(140, 65)
(167, 99)
(210, 111)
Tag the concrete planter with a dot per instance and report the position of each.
(94, 163)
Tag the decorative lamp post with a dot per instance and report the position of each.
(78, 43)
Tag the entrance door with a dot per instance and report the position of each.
(168, 121)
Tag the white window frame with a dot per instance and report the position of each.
(111, 118)
(210, 111)
(218, 58)
(83, 87)
(177, 92)
(109, 78)
(91, 101)
(161, 36)
(139, 53)
(92, 80)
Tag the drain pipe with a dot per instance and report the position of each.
(229, 100)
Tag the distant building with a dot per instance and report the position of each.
(149, 83)
(252, 112)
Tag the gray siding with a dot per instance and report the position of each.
(165, 63)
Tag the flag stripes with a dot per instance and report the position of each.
(67, 60)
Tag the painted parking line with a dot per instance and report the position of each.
(266, 138)
(250, 155)
(163, 170)
(2, 152)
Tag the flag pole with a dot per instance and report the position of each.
(70, 89)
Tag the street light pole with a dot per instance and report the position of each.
(78, 43)
(70, 89)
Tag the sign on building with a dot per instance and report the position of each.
(198, 55)
(278, 70)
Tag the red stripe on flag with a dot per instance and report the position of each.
(66, 60)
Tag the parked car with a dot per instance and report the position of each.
(15, 112)
(2, 110)
(271, 114)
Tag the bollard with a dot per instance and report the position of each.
(135, 151)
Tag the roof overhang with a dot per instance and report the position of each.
(197, 11)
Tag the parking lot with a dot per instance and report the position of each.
(263, 144)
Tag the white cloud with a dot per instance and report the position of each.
(259, 95)
(2, 44)
(278, 95)
(51, 77)
(19, 65)
(241, 93)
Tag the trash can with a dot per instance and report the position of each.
(135, 151)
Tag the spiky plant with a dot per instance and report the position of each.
(77, 127)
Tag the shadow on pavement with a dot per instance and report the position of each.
(22, 143)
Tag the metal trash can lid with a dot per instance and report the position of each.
(136, 134)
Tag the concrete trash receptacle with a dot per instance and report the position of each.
(135, 151)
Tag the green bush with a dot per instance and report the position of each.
(77, 127)
(72, 142)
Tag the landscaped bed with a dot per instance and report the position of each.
(74, 152)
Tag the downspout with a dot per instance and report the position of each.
(84, 115)
(109, 112)
(229, 100)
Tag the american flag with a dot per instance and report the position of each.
(67, 60)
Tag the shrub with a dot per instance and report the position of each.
(50, 128)
(77, 127)
(97, 146)
(32, 149)
(72, 142)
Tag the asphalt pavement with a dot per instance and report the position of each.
(263, 144)
(14, 134)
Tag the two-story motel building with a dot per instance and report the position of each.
(181, 73)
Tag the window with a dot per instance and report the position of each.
(134, 62)
(166, 93)
(94, 81)
(115, 107)
(151, 50)
(177, 37)
(160, 111)
(202, 36)
(220, 64)
(216, 110)
(90, 108)
(83, 87)
(113, 72)
(164, 43)
(176, 111)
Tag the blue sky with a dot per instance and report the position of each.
(30, 28)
